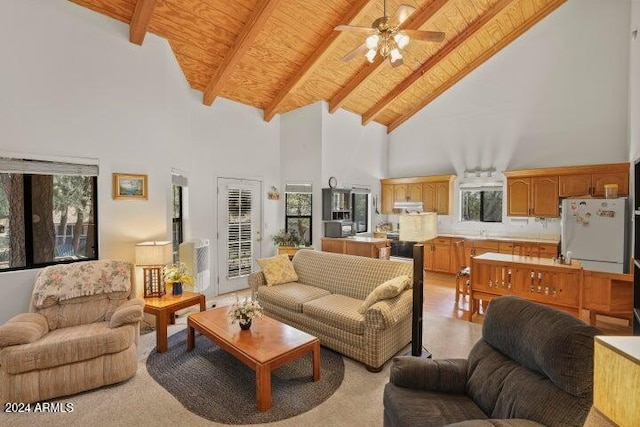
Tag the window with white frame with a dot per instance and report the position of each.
(481, 202)
(48, 213)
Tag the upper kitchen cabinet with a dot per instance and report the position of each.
(536, 192)
(536, 196)
(590, 180)
(435, 193)
(386, 201)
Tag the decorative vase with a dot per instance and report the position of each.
(245, 326)
(177, 288)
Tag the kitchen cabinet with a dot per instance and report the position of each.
(536, 279)
(593, 184)
(440, 254)
(536, 196)
(387, 198)
(336, 204)
(407, 193)
(361, 246)
(435, 193)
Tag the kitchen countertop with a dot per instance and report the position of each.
(359, 239)
(519, 259)
(496, 238)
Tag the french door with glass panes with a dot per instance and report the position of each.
(239, 231)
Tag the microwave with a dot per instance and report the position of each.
(339, 229)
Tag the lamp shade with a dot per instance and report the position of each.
(418, 227)
(154, 253)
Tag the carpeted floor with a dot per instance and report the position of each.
(212, 383)
(143, 402)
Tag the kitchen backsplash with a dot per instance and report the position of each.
(531, 228)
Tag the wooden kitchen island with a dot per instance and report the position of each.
(537, 279)
(371, 247)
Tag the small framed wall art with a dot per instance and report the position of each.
(127, 186)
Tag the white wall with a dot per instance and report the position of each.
(555, 96)
(301, 159)
(73, 86)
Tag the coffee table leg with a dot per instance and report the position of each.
(161, 331)
(263, 387)
(203, 303)
(191, 339)
(316, 361)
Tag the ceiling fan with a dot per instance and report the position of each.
(386, 37)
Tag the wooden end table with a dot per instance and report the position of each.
(164, 308)
(268, 345)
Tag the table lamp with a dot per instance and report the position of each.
(418, 227)
(152, 256)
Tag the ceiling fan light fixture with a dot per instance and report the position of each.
(370, 55)
(401, 39)
(372, 41)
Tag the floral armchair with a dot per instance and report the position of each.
(81, 333)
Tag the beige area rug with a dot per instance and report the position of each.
(142, 402)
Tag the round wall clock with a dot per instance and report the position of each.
(333, 182)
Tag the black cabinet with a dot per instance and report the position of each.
(636, 248)
(336, 204)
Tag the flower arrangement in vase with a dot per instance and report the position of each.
(177, 275)
(245, 311)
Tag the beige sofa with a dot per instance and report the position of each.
(81, 333)
(325, 300)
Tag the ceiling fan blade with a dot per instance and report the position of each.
(355, 29)
(359, 51)
(401, 15)
(427, 36)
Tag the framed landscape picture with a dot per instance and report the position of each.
(129, 186)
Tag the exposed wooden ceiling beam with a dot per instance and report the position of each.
(311, 62)
(468, 32)
(413, 23)
(249, 32)
(550, 7)
(140, 20)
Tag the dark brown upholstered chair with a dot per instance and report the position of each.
(533, 366)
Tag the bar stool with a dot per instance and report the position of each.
(463, 273)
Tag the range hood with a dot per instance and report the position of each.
(407, 207)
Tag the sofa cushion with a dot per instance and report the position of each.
(415, 408)
(337, 310)
(350, 275)
(67, 345)
(278, 270)
(389, 289)
(290, 295)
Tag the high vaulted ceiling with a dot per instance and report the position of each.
(279, 55)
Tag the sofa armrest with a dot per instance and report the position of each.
(23, 329)
(443, 375)
(387, 312)
(256, 279)
(128, 312)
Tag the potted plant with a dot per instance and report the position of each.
(244, 312)
(178, 275)
(287, 242)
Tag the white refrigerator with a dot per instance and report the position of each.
(595, 232)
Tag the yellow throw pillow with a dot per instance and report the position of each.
(278, 270)
(389, 289)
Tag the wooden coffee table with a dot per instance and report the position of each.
(266, 346)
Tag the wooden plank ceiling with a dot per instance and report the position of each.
(280, 55)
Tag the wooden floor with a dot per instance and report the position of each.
(439, 298)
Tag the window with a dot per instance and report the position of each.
(360, 205)
(481, 203)
(298, 208)
(178, 187)
(48, 213)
